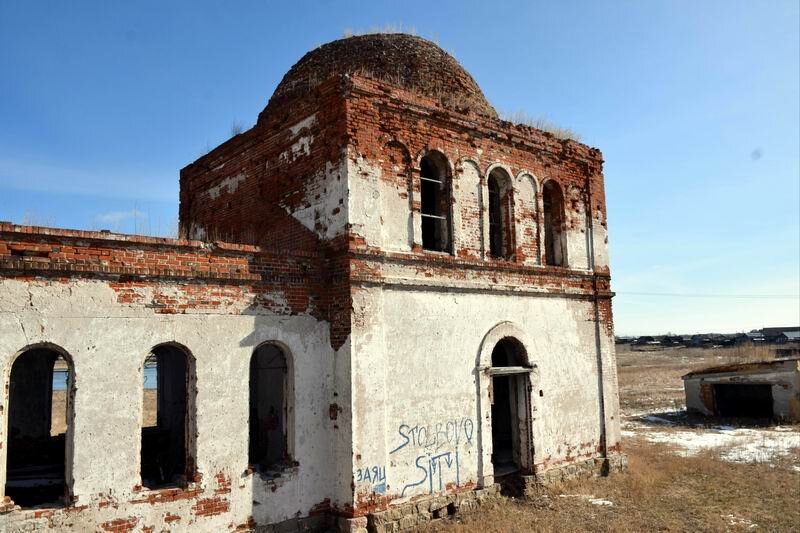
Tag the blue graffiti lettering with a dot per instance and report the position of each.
(424, 470)
(403, 427)
(450, 433)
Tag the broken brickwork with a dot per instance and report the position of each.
(311, 234)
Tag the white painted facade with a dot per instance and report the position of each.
(107, 343)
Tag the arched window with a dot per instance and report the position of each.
(39, 425)
(500, 214)
(553, 207)
(268, 409)
(435, 204)
(168, 371)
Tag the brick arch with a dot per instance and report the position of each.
(527, 205)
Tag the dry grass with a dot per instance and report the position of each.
(659, 492)
(59, 425)
(652, 379)
(542, 123)
(386, 28)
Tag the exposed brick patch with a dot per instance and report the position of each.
(120, 525)
(223, 484)
(211, 506)
(168, 495)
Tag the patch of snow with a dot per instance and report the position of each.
(658, 411)
(734, 520)
(735, 445)
(658, 420)
(589, 498)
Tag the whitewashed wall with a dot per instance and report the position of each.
(108, 342)
(421, 415)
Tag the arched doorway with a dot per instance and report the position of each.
(39, 426)
(510, 409)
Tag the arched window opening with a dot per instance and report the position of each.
(167, 371)
(435, 204)
(510, 408)
(268, 409)
(500, 214)
(553, 207)
(39, 417)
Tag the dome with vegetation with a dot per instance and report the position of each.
(398, 59)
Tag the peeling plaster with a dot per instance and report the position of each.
(228, 185)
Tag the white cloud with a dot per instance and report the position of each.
(115, 217)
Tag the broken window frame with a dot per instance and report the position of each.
(434, 169)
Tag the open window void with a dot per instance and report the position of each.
(435, 200)
(39, 425)
(743, 400)
(165, 420)
(268, 410)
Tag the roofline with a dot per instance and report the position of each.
(736, 367)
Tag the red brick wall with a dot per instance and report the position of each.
(271, 183)
(383, 123)
(208, 276)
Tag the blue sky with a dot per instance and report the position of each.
(695, 105)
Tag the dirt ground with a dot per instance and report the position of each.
(685, 474)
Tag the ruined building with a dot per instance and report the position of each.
(385, 301)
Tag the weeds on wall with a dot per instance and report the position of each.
(542, 123)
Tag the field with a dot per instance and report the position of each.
(685, 474)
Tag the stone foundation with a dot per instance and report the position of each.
(412, 515)
(320, 522)
(415, 514)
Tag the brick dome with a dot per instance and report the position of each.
(398, 59)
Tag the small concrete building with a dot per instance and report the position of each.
(383, 295)
(766, 389)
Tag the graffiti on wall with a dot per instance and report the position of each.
(436, 447)
(435, 436)
(375, 476)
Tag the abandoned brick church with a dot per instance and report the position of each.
(385, 301)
